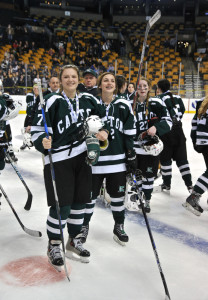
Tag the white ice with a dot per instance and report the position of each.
(114, 272)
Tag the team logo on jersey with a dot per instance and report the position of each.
(121, 189)
(121, 106)
(149, 170)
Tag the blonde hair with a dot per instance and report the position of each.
(99, 81)
(203, 108)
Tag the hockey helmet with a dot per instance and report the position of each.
(151, 144)
(94, 124)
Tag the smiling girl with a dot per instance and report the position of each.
(65, 113)
(118, 158)
(153, 118)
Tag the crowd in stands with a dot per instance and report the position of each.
(16, 75)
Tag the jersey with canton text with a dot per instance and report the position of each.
(176, 108)
(122, 131)
(199, 129)
(63, 124)
(158, 116)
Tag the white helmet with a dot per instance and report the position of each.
(131, 199)
(12, 110)
(94, 124)
(152, 145)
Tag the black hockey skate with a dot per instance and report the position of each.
(84, 233)
(192, 204)
(54, 255)
(120, 235)
(76, 251)
(23, 147)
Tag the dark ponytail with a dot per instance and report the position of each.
(164, 85)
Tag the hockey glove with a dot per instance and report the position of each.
(131, 162)
(8, 99)
(93, 150)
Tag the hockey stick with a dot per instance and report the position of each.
(150, 23)
(53, 179)
(152, 241)
(27, 230)
(30, 196)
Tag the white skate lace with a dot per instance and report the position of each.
(55, 252)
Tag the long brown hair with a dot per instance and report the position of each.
(148, 95)
(203, 108)
(99, 81)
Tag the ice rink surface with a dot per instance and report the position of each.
(114, 272)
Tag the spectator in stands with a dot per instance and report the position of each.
(8, 84)
(15, 45)
(61, 53)
(51, 52)
(34, 73)
(33, 46)
(37, 79)
(20, 48)
(20, 85)
(89, 84)
(136, 45)
(173, 42)
(70, 36)
(101, 69)
(122, 47)
(166, 43)
(10, 33)
(111, 68)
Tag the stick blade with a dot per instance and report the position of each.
(32, 232)
(155, 18)
(29, 201)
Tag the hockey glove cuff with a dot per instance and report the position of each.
(131, 162)
(93, 150)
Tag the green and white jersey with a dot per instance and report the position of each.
(63, 123)
(30, 101)
(199, 129)
(122, 131)
(158, 115)
(176, 109)
(130, 97)
(3, 108)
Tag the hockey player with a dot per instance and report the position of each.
(121, 86)
(199, 136)
(116, 159)
(174, 141)
(31, 99)
(152, 118)
(65, 113)
(9, 109)
(131, 92)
